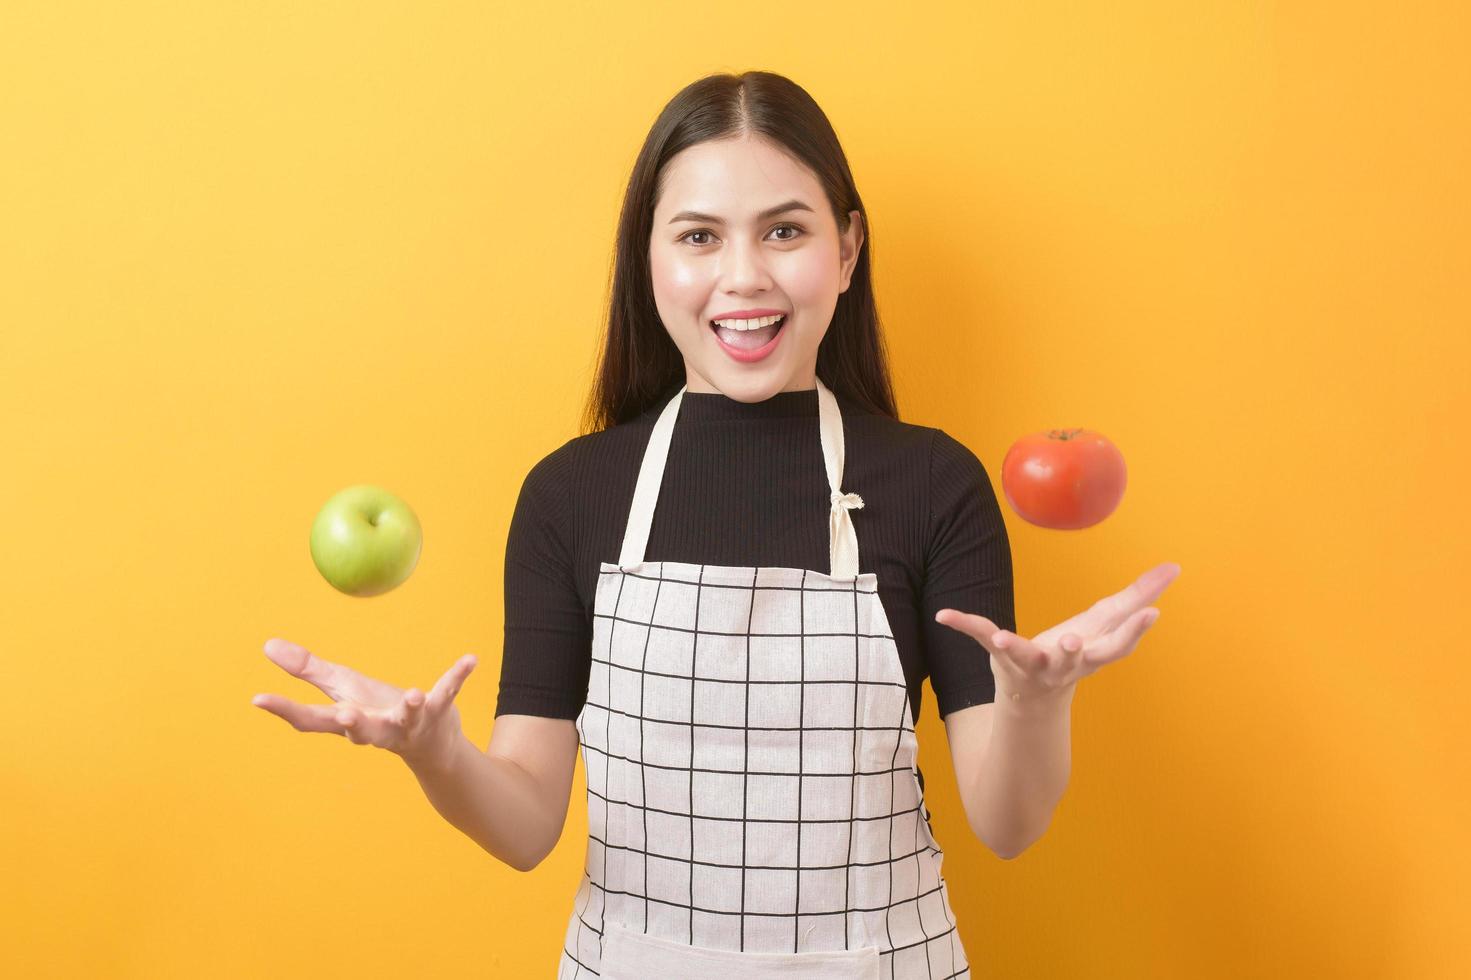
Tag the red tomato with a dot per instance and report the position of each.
(1063, 479)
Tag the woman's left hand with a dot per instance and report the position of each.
(1050, 664)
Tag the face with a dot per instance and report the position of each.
(719, 247)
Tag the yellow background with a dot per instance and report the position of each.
(253, 253)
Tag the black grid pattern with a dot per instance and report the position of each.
(750, 762)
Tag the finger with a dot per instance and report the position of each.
(448, 686)
(337, 681)
(1116, 609)
(1121, 642)
(1021, 651)
(977, 627)
(1000, 643)
(356, 725)
(369, 726)
(410, 708)
(302, 717)
(1071, 646)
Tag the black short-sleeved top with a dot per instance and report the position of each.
(745, 485)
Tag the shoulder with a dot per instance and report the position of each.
(889, 433)
(951, 458)
(951, 485)
(930, 446)
(592, 456)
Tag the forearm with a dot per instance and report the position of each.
(495, 802)
(1022, 773)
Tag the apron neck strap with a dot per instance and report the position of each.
(842, 538)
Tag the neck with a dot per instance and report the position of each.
(702, 406)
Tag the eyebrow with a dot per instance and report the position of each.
(792, 205)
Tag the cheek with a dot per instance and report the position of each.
(812, 280)
(674, 279)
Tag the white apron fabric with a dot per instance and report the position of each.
(754, 809)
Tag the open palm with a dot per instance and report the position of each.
(1052, 662)
(423, 729)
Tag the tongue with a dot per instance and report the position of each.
(749, 339)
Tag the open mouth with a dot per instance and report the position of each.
(749, 341)
(765, 332)
(779, 324)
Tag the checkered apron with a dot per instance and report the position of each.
(753, 804)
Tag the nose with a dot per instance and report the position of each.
(745, 269)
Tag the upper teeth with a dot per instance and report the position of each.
(756, 324)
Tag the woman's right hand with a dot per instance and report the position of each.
(423, 730)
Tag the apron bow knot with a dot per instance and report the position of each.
(843, 551)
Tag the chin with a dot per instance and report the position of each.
(754, 389)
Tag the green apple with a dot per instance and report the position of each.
(365, 541)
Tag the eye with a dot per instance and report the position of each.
(704, 231)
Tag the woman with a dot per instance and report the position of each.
(743, 680)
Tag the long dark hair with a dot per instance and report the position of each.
(640, 365)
